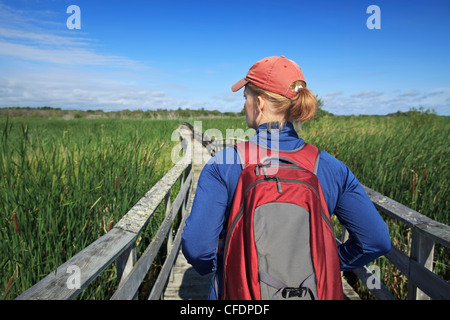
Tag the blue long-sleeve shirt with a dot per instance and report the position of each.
(344, 195)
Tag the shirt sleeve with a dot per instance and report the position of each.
(368, 234)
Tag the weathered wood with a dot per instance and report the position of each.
(349, 292)
(437, 231)
(162, 279)
(422, 252)
(136, 219)
(187, 284)
(432, 285)
(132, 282)
(169, 241)
(125, 262)
(382, 292)
(91, 261)
(175, 289)
(366, 275)
(399, 259)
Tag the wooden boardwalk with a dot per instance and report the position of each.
(185, 283)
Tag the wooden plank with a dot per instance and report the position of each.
(349, 292)
(364, 274)
(125, 262)
(439, 232)
(434, 286)
(161, 281)
(90, 262)
(422, 251)
(187, 284)
(399, 259)
(383, 292)
(131, 283)
(136, 219)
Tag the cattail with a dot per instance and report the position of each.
(7, 287)
(414, 184)
(16, 223)
(115, 184)
(110, 225)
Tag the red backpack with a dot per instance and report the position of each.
(280, 241)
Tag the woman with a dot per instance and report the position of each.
(276, 97)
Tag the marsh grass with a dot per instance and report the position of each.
(402, 157)
(65, 183)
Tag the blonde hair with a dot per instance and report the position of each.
(301, 108)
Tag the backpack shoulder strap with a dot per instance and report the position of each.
(240, 150)
(250, 153)
(308, 157)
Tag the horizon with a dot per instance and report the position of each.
(151, 55)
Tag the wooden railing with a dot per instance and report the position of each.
(417, 267)
(119, 244)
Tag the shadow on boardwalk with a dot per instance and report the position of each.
(186, 283)
(194, 286)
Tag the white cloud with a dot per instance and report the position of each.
(333, 94)
(31, 39)
(375, 102)
(367, 94)
(41, 37)
(410, 93)
(76, 89)
(62, 56)
(47, 66)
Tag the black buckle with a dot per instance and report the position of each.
(290, 292)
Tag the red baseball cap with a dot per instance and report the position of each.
(275, 74)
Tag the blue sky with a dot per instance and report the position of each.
(187, 54)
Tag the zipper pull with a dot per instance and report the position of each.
(257, 170)
(278, 184)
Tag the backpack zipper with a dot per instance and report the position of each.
(274, 178)
(276, 165)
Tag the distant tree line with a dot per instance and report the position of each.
(51, 112)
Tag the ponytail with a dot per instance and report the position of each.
(304, 105)
(301, 108)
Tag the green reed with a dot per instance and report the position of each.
(65, 183)
(404, 158)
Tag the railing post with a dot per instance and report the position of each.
(169, 234)
(183, 206)
(422, 251)
(125, 263)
